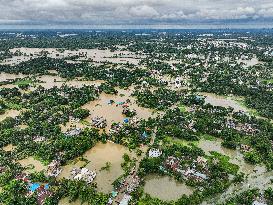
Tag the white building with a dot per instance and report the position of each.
(154, 153)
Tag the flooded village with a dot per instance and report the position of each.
(152, 119)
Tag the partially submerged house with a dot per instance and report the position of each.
(54, 169)
(83, 174)
(99, 122)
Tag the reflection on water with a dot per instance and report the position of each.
(165, 188)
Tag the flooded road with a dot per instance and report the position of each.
(261, 181)
(165, 188)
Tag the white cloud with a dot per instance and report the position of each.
(143, 12)
(133, 11)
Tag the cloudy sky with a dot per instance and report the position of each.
(135, 12)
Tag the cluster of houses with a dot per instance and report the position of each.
(245, 148)
(245, 127)
(73, 119)
(99, 122)
(173, 163)
(117, 127)
(42, 190)
(122, 194)
(54, 168)
(83, 174)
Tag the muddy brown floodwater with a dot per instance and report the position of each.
(113, 113)
(9, 148)
(98, 56)
(9, 76)
(236, 157)
(65, 201)
(49, 81)
(217, 100)
(98, 156)
(9, 113)
(165, 187)
(256, 175)
(38, 166)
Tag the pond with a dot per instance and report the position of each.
(165, 188)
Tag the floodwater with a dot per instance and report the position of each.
(98, 156)
(8, 76)
(72, 124)
(9, 148)
(49, 81)
(236, 157)
(38, 166)
(251, 62)
(165, 188)
(67, 168)
(65, 201)
(261, 180)
(217, 100)
(113, 113)
(256, 175)
(98, 56)
(9, 113)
